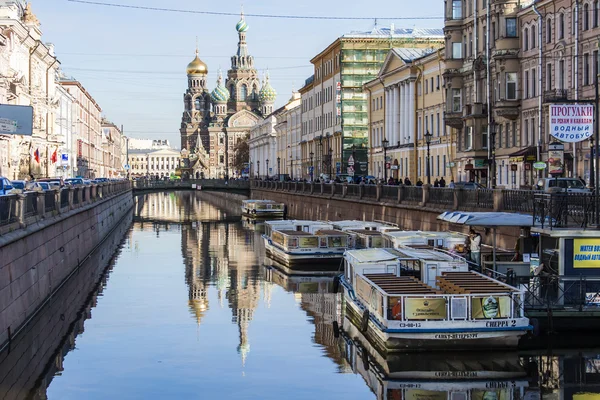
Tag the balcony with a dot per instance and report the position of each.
(475, 110)
(453, 119)
(508, 109)
(556, 95)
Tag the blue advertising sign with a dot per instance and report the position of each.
(16, 120)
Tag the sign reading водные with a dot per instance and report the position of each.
(586, 253)
(571, 122)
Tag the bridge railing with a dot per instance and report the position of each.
(444, 199)
(146, 184)
(22, 209)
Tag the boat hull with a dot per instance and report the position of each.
(439, 339)
(262, 214)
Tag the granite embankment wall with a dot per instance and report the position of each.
(37, 259)
(28, 366)
(316, 207)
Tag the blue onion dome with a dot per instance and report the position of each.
(267, 94)
(220, 94)
(242, 26)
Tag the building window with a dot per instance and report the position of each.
(514, 134)
(526, 85)
(586, 69)
(561, 74)
(444, 165)
(470, 45)
(586, 17)
(561, 26)
(243, 92)
(499, 134)
(595, 14)
(494, 35)
(438, 123)
(456, 50)
(533, 37)
(526, 39)
(533, 83)
(438, 83)
(456, 100)
(548, 76)
(549, 31)
(484, 137)
(511, 86)
(511, 27)
(437, 170)
(221, 159)
(456, 9)
(468, 138)
(595, 61)
(432, 84)
(526, 132)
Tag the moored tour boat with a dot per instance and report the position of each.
(314, 248)
(451, 241)
(423, 299)
(262, 209)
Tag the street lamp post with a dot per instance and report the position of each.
(492, 168)
(385, 142)
(291, 166)
(311, 169)
(278, 167)
(428, 137)
(330, 161)
(258, 169)
(267, 160)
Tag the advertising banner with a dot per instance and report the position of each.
(420, 394)
(490, 307)
(310, 241)
(586, 253)
(425, 308)
(16, 120)
(556, 160)
(571, 122)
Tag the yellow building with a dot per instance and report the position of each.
(406, 101)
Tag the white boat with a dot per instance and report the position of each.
(311, 250)
(363, 225)
(367, 239)
(451, 241)
(423, 299)
(262, 208)
(296, 225)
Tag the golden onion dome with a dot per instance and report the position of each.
(197, 66)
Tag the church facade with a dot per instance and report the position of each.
(214, 122)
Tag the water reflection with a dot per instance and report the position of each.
(190, 308)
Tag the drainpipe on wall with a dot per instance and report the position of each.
(475, 33)
(491, 158)
(540, 94)
(576, 85)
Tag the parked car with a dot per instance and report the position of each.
(52, 181)
(468, 185)
(5, 186)
(38, 186)
(74, 181)
(20, 185)
(569, 185)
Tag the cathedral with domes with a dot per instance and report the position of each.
(215, 121)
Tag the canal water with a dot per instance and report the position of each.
(179, 304)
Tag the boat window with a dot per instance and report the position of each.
(431, 274)
(391, 269)
(322, 242)
(306, 228)
(431, 242)
(337, 241)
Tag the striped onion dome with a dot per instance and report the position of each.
(267, 94)
(242, 26)
(220, 94)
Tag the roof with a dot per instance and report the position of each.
(408, 54)
(365, 232)
(373, 255)
(378, 32)
(294, 233)
(331, 232)
(423, 254)
(488, 219)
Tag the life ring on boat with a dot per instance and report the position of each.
(336, 284)
(364, 325)
(397, 311)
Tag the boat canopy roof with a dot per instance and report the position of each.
(364, 232)
(258, 201)
(489, 219)
(373, 255)
(290, 232)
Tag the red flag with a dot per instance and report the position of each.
(37, 155)
(54, 157)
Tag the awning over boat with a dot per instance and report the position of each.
(489, 219)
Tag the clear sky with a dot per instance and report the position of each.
(133, 61)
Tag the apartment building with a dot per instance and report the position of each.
(406, 102)
(288, 134)
(335, 125)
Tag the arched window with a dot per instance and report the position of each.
(586, 17)
(198, 103)
(526, 40)
(561, 26)
(595, 14)
(533, 37)
(243, 92)
(232, 92)
(549, 31)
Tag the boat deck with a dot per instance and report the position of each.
(366, 232)
(394, 285)
(330, 232)
(290, 232)
(470, 283)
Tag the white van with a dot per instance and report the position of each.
(570, 185)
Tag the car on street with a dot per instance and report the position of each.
(19, 185)
(468, 185)
(74, 181)
(5, 186)
(569, 185)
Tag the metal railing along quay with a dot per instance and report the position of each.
(22, 209)
(444, 199)
(231, 184)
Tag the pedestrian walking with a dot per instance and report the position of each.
(442, 182)
(436, 183)
(475, 245)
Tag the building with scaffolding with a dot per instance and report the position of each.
(335, 121)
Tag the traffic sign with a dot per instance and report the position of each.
(351, 160)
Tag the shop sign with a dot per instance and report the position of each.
(480, 163)
(468, 167)
(516, 159)
(586, 253)
(539, 165)
(425, 308)
(394, 167)
(571, 123)
(527, 167)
